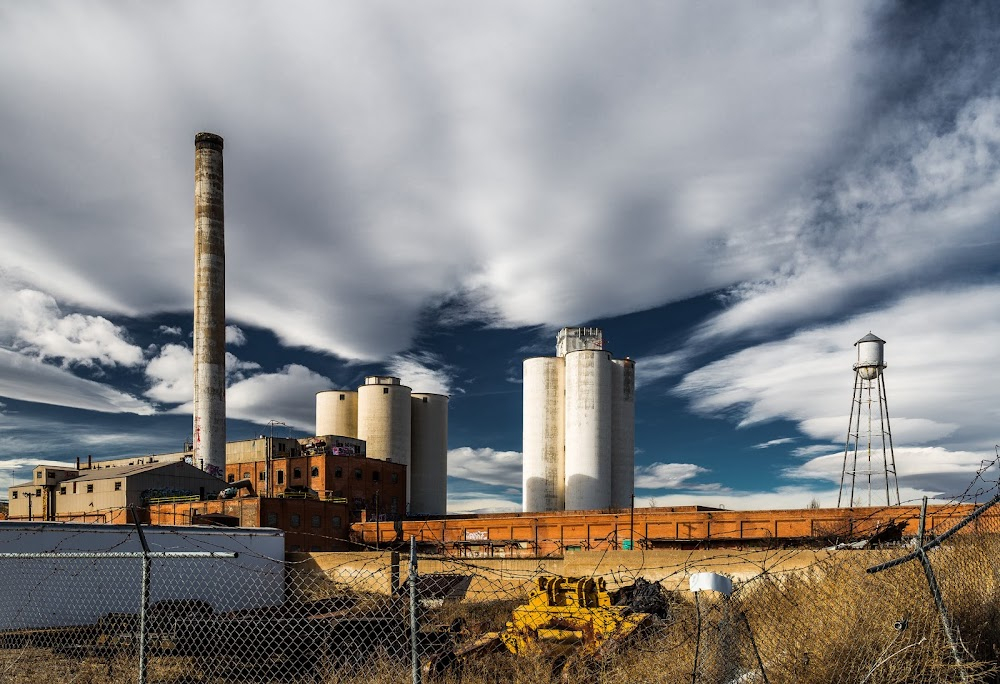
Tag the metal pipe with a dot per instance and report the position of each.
(209, 306)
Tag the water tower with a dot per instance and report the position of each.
(868, 450)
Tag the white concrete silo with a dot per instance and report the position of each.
(384, 418)
(588, 430)
(428, 474)
(337, 413)
(622, 432)
(543, 471)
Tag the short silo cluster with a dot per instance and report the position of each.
(397, 425)
(579, 426)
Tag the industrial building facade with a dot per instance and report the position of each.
(579, 426)
(92, 494)
(397, 425)
(331, 466)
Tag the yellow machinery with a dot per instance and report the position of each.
(566, 614)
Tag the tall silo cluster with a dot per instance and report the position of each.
(579, 426)
(398, 425)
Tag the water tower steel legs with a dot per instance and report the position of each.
(863, 395)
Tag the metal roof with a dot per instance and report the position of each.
(123, 471)
(869, 338)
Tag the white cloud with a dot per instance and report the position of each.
(935, 471)
(171, 375)
(666, 475)
(774, 442)
(939, 347)
(481, 502)
(781, 498)
(893, 209)
(33, 324)
(422, 372)
(27, 379)
(649, 369)
(287, 395)
(486, 466)
(521, 185)
(235, 336)
(236, 369)
(172, 331)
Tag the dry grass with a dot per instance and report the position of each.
(830, 623)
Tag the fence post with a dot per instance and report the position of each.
(144, 600)
(414, 635)
(697, 638)
(936, 592)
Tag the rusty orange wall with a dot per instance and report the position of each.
(554, 532)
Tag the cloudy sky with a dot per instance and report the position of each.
(735, 192)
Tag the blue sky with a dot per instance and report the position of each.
(734, 192)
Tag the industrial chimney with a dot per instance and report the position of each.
(209, 307)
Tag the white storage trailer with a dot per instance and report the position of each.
(63, 592)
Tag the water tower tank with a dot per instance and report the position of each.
(588, 430)
(429, 454)
(622, 432)
(543, 447)
(337, 413)
(871, 356)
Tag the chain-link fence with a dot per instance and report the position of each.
(176, 605)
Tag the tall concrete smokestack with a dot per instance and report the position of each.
(209, 306)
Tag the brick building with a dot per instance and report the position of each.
(333, 467)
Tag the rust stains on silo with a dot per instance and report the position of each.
(209, 306)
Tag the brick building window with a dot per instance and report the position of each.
(394, 477)
(281, 477)
(297, 474)
(357, 474)
(263, 476)
(335, 521)
(339, 472)
(231, 478)
(272, 519)
(316, 521)
(374, 476)
(315, 472)
(246, 476)
(295, 520)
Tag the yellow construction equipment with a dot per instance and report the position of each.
(565, 614)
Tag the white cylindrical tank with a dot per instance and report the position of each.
(543, 472)
(622, 432)
(871, 356)
(384, 418)
(588, 430)
(428, 454)
(337, 413)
